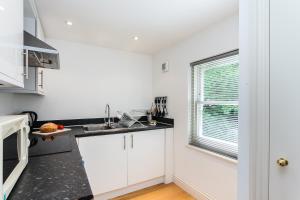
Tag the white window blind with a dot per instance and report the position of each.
(214, 106)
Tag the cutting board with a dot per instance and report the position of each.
(51, 133)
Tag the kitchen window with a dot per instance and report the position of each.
(214, 105)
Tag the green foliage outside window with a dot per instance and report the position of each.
(221, 84)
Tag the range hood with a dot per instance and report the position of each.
(39, 53)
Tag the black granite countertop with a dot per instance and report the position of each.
(125, 130)
(58, 176)
(61, 176)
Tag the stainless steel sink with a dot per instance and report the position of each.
(100, 127)
(97, 128)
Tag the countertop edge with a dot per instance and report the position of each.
(149, 128)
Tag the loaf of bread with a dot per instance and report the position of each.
(48, 128)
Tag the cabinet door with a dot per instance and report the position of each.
(11, 42)
(146, 156)
(30, 83)
(105, 161)
(35, 82)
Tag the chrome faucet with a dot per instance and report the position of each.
(107, 111)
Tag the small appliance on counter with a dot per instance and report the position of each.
(32, 118)
(14, 157)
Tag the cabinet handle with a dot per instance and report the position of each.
(124, 142)
(26, 72)
(42, 79)
(132, 141)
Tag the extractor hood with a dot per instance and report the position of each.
(39, 53)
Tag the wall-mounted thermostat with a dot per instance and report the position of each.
(165, 67)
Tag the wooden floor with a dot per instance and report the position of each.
(158, 192)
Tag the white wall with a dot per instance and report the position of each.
(90, 77)
(210, 175)
(6, 104)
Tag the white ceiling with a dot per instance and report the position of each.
(114, 23)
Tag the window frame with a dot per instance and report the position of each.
(197, 97)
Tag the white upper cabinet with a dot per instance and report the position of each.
(11, 43)
(35, 83)
(146, 156)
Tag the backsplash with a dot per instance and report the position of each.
(6, 104)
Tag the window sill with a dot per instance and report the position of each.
(231, 160)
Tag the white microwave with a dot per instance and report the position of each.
(14, 144)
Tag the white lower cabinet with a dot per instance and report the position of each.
(146, 156)
(116, 161)
(105, 161)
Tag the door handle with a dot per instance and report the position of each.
(132, 141)
(282, 162)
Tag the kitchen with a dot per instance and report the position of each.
(139, 99)
(89, 85)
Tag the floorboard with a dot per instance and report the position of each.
(158, 192)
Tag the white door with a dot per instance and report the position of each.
(11, 41)
(146, 155)
(105, 161)
(285, 99)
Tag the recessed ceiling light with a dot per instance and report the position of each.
(2, 8)
(69, 23)
(136, 38)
